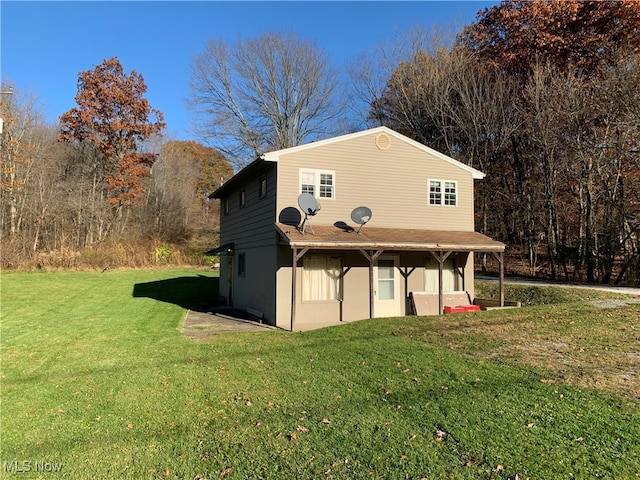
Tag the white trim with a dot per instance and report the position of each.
(317, 184)
(275, 155)
(443, 192)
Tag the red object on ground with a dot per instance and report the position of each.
(462, 308)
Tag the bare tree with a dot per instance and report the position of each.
(18, 149)
(271, 92)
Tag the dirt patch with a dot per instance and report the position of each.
(587, 347)
(614, 303)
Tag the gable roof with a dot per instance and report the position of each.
(275, 155)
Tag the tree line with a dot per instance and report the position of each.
(542, 96)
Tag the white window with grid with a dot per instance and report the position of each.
(443, 192)
(319, 183)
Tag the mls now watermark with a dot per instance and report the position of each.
(23, 466)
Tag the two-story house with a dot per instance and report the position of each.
(341, 263)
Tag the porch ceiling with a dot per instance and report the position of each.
(347, 238)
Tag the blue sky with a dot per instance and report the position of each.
(44, 45)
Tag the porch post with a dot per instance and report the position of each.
(372, 258)
(501, 280)
(441, 257)
(500, 258)
(294, 267)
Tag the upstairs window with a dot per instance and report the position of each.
(319, 183)
(242, 199)
(262, 187)
(443, 192)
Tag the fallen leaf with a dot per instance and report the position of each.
(302, 429)
(499, 468)
(406, 370)
(165, 383)
(293, 436)
(130, 426)
(325, 421)
(441, 436)
(226, 472)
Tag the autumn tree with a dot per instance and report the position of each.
(267, 93)
(114, 117)
(516, 34)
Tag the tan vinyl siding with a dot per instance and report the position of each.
(393, 183)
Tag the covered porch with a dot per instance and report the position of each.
(373, 244)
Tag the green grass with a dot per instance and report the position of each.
(97, 377)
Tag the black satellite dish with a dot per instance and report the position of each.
(309, 206)
(290, 216)
(361, 215)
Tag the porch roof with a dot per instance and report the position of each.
(344, 237)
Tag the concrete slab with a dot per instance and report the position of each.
(212, 321)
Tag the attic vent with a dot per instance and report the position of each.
(383, 141)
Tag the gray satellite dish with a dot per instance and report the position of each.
(361, 215)
(309, 206)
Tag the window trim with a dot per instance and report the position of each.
(242, 265)
(442, 198)
(262, 187)
(317, 185)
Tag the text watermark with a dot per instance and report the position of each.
(23, 466)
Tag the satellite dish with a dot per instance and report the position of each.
(309, 206)
(343, 226)
(361, 215)
(290, 216)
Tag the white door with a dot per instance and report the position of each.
(386, 286)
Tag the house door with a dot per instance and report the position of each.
(387, 301)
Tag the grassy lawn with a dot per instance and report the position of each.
(98, 382)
